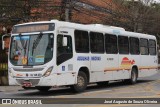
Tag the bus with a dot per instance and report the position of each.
(53, 53)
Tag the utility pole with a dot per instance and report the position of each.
(66, 5)
(67, 10)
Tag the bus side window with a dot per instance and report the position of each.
(111, 44)
(134, 46)
(144, 47)
(123, 44)
(81, 41)
(64, 52)
(97, 42)
(152, 47)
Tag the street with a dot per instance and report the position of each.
(148, 87)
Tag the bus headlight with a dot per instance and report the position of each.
(48, 72)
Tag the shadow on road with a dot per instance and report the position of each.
(67, 91)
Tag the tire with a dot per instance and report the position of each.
(105, 83)
(26, 88)
(43, 88)
(81, 82)
(134, 76)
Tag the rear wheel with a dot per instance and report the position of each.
(134, 76)
(43, 88)
(81, 82)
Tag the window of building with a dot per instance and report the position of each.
(144, 47)
(134, 46)
(96, 42)
(111, 44)
(152, 47)
(123, 45)
(81, 41)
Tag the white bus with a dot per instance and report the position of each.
(56, 53)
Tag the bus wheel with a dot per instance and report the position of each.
(43, 88)
(105, 83)
(81, 82)
(26, 88)
(134, 76)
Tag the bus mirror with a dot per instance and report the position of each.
(65, 41)
(3, 43)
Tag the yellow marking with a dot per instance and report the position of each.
(7, 105)
(40, 56)
(148, 67)
(129, 68)
(95, 92)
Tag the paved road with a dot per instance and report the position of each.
(148, 87)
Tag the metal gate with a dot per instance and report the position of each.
(3, 66)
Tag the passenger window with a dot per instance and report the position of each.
(111, 44)
(81, 41)
(152, 47)
(123, 44)
(144, 47)
(97, 42)
(134, 46)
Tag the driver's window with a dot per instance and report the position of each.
(64, 52)
(64, 49)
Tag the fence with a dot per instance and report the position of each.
(3, 66)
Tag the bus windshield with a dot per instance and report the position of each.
(30, 50)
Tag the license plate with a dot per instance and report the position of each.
(27, 84)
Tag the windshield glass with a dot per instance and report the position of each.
(31, 49)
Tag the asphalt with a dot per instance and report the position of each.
(12, 88)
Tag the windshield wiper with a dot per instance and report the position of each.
(24, 45)
(36, 42)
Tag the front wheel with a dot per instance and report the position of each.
(43, 88)
(81, 82)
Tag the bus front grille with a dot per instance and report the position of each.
(33, 81)
(29, 70)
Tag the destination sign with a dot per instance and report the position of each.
(33, 28)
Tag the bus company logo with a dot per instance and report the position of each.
(127, 62)
(19, 75)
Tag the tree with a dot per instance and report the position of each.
(14, 11)
(137, 15)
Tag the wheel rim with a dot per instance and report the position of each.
(80, 81)
(133, 76)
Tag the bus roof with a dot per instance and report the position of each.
(94, 27)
